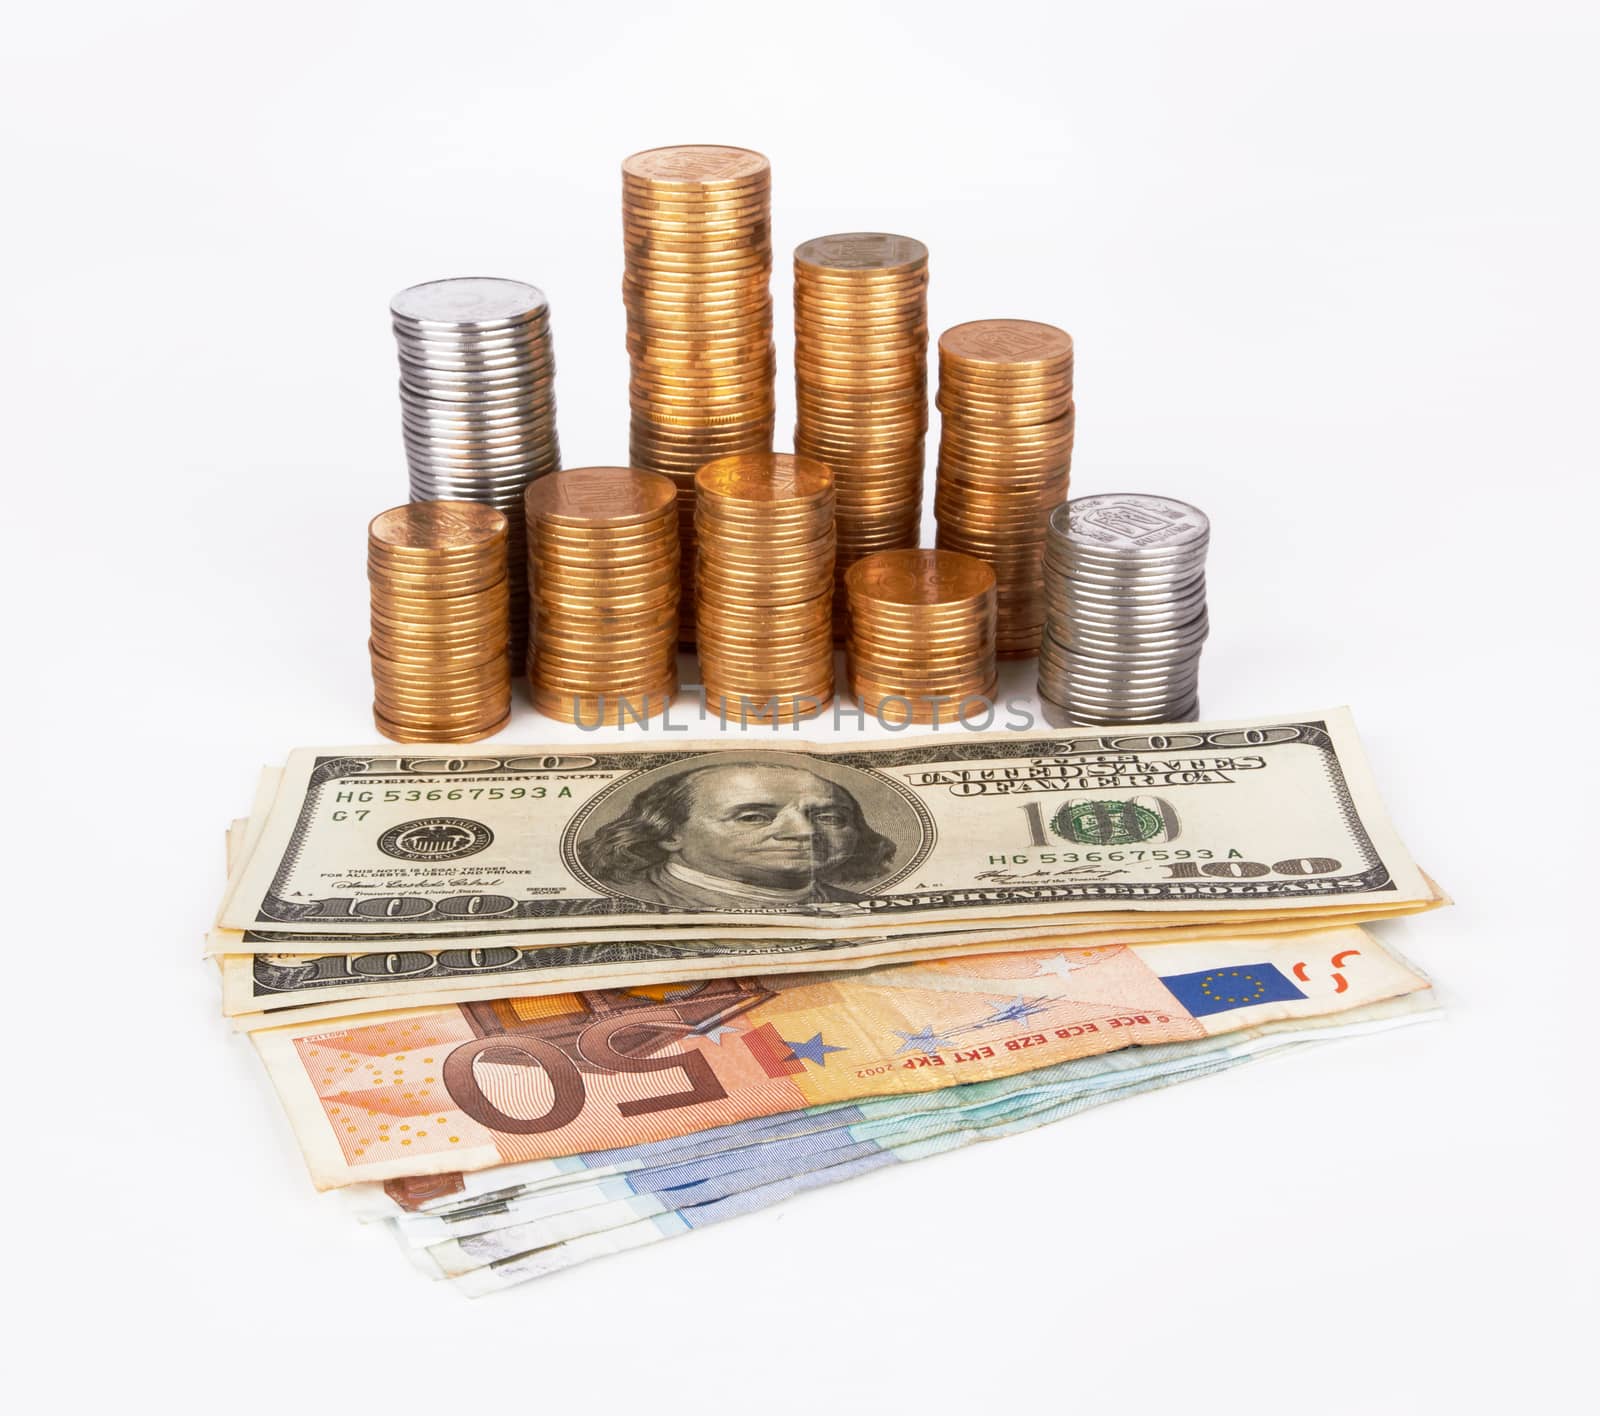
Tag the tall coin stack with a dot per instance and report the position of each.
(921, 645)
(1125, 618)
(697, 286)
(861, 385)
(603, 569)
(764, 591)
(477, 401)
(440, 620)
(1005, 452)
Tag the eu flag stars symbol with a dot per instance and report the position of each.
(1223, 990)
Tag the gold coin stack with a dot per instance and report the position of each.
(697, 287)
(1005, 453)
(603, 571)
(764, 589)
(922, 627)
(440, 621)
(861, 385)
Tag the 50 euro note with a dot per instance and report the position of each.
(634, 1181)
(491, 1261)
(1268, 816)
(428, 1092)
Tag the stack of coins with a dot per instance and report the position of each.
(921, 646)
(1125, 593)
(440, 619)
(1005, 451)
(603, 569)
(477, 401)
(764, 589)
(861, 385)
(697, 286)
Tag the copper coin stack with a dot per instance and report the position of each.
(861, 385)
(477, 401)
(603, 570)
(1005, 452)
(697, 287)
(440, 621)
(764, 591)
(922, 626)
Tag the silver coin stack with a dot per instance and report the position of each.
(477, 403)
(1125, 610)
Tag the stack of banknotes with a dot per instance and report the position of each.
(536, 1005)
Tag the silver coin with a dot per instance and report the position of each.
(532, 331)
(1067, 690)
(1124, 599)
(478, 456)
(1114, 672)
(425, 362)
(1094, 599)
(479, 302)
(1151, 695)
(1133, 523)
(433, 384)
(468, 448)
(470, 421)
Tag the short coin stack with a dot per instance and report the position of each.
(1125, 619)
(440, 620)
(764, 591)
(1005, 451)
(921, 645)
(477, 400)
(697, 287)
(861, 385)
(603, 571)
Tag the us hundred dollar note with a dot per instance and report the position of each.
(1272, 815)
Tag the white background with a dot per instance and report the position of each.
(1331, 274)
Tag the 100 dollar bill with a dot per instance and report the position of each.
(1271, 815)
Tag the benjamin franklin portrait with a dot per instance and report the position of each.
(746, 833)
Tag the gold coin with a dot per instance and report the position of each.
(437, 733)
(696, 166)
(990, 342)
(489, 560)
(423, 582)
(434, 526)
(400, 595)
(580, 540)
(780, 637)
(775, 623)
(413, 683)
(604, 643)
(440, 616)
(754, 594)
(861, 252)
(893, 641)
(421, 634)
(975, 659)
(424, 717)
(768, 477)
(437, 656)
(557, 577)
(421, 714)
(608, 497)
(599, 681)
(793, 666)
(425, 654)
(814, 679)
